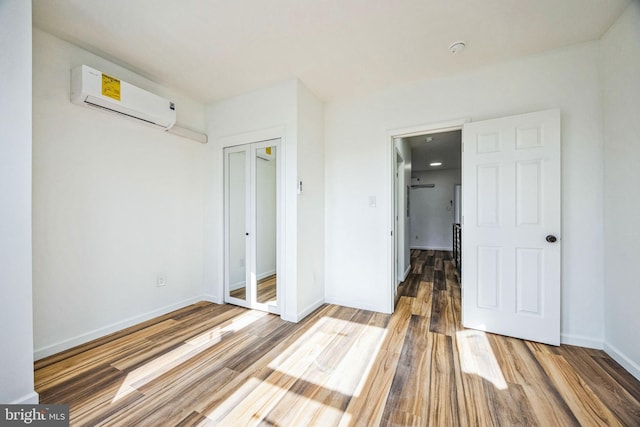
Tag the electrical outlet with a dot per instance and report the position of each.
(161, 281)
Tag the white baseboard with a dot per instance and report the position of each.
(48, 350)
(406, 273)
(29, 399)
(265, 274)
(581, 341)
(117, 326)
(622, 359)
(356, 304)
(431, 248)
(289, 317)
(295, 318)
(212, 298)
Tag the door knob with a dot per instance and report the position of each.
(551, 238)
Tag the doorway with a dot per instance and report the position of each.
(251, 216)
(436, 172)
(511, 210)
(402, 197)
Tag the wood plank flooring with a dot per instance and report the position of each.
(209, 364)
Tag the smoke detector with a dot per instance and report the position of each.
(457, 47)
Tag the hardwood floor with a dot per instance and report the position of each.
(208, 364)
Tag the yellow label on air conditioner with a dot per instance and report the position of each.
(111, 87)
(268, 150)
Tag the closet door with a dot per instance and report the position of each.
(237, 225)
(265, 225)
(251, 225)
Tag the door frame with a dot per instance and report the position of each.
(399, 166)
(400, 201)
(269, 134)
(392, 135)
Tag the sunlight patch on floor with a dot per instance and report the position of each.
(224, 409)
(253, 402)
(353, 370)
(159, 365)
(343, 375)
(315, 358)
(477, 358)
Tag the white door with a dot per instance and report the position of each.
(511, 226)
(251, 223)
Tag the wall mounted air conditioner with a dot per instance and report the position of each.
(94, 88)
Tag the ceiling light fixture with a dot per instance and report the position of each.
(457, 47)
(435, 164)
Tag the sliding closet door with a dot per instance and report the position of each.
(251, 225)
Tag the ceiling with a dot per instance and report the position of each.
(443, 147)
(214, 49)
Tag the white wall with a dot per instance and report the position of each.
(432, 213)
(310, 202)
(115, 202)
(621, 101)
(358, 165)
(16, 333)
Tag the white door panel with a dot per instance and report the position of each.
(511, 202)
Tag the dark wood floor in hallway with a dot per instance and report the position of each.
(209, 364)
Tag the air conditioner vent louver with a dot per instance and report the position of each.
(132, 115)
